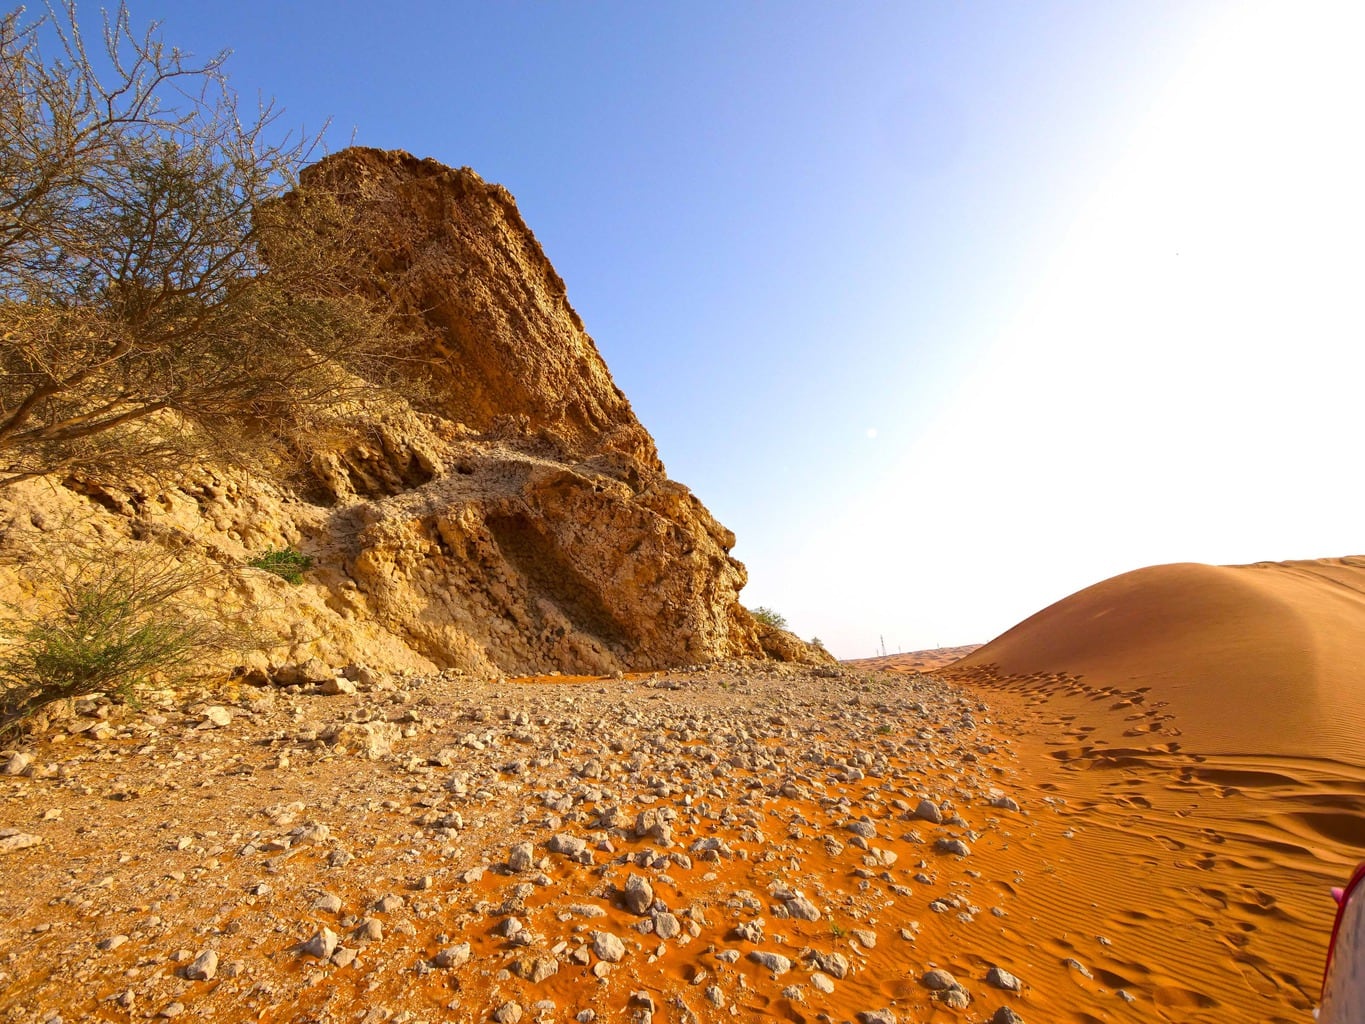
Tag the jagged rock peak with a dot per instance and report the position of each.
(465, 274)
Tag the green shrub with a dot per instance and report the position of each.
(118, 620)
(287, 564)
(769, 617)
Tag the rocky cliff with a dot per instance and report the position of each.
(450, 254)
(507, 513)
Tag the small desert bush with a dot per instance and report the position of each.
(769, 617)
(116, 619)
(287, 564)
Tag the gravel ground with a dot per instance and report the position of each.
(726, 842)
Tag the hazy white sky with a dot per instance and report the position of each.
(947, 310)
(1178, 380)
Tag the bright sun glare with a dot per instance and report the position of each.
(1183, 364)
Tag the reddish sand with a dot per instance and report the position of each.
(1256, 659)
(1186, 795)
(1204, 729)
(915, 661)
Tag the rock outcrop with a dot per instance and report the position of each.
(508, 515)
(451, 256)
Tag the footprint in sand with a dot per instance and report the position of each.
(1258, 974)
(1173, 997)
(1205, 861)
(1218, 896)
(1143, 730)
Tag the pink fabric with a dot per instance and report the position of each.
(1342, 896)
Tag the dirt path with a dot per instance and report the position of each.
(721, 844)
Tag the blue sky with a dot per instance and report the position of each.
(948, 310)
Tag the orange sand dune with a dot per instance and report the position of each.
(1200, 730)
(1251, 659)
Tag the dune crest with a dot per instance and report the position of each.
(1258, 658)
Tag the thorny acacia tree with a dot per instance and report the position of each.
(156, 299)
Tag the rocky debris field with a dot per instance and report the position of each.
(722, 843)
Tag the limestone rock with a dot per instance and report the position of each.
(322, 945)
(204, 968)
(666, 926)
(608, 947)
(639, 894)
(955, 847)
(775, 962)
(453, 956)
(573, 847)
(938, 980)
(521, 857)
(802, 908)
(12, 840)
(784, 645)
(998, 977)
(750, 931)
(574, 531)
(928, 811)
(370, 739)
(955, 998)
(507, 513)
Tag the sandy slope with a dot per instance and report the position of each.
(1254, 659)
(1202, 729)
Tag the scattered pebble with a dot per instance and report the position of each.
(204, 967)
(322, 945)
(453, 956)
(1002, 979)
(775, 962)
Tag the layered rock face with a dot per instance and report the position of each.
(514, 518)
(452, 256)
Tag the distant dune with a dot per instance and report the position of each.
(914, 661)
(1266, 658)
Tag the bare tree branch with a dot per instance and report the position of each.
(148, 267)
